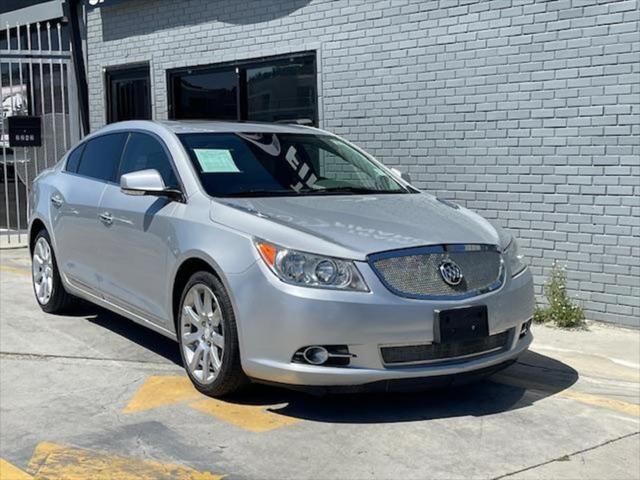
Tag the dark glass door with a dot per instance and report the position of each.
(128, 94)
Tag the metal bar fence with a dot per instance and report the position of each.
(35, 61)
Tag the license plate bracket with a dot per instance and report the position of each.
(461, 324)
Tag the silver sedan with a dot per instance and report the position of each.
(279, 254)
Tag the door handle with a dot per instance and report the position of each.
(56, 200)
(106, 218)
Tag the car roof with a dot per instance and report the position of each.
(210, 126)
(197, 126)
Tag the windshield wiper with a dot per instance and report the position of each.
(257, 192)
(354, 190)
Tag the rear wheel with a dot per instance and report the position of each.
(47, 285)
(208, 336)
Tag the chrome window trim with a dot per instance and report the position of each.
(426, 250)
(128, 133)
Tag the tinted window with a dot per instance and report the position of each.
(267, 164)
(143, 152)
(281, 89)
(206, 94)
(73, 160)
(101, 156)
(284, 90)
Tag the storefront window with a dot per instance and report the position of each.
(206, 94)
(284, 91)
(281, 89)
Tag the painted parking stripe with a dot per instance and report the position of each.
(249, 417)
(615, 405)
(602, 402)
(159, 391)
(11, 472)
(60, 462)
(18, 270)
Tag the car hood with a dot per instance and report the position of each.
(357, 224)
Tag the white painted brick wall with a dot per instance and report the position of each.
(526, 111)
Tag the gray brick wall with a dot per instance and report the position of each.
(525, 111)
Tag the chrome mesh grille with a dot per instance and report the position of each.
(415, 273)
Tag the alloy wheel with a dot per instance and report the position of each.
(42, 270)
(202, 333)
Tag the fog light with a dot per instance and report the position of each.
(526, 326)
(316, 355)
(325, 355)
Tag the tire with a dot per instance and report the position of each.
(208, 336)
(45, 274)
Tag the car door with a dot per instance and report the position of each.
(74, 208)
(138, 234)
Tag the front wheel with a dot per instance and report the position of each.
(208, 336)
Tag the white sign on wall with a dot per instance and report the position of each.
(100, 3)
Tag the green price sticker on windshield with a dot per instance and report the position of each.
(214, 160)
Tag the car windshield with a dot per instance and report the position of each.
(283, 164)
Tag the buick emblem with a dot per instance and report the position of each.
(450, 272)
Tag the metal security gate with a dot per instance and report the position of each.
(36, 80)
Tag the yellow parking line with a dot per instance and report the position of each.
(158, 391)
(597, 401)
(11, 472)
(61, 462)
(250, 417)
(586, 398)
(19, 271)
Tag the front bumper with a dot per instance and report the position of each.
(276, 319)
(397, 385)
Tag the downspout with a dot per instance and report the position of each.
(71, 12)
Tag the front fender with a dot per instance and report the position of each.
(224, 250)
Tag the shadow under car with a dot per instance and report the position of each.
(532, 378)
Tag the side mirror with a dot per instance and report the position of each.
(403, 175)
(147, 182)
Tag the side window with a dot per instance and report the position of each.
(144, 152)
(101, 157)
(73, 160)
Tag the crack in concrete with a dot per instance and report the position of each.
(560, 458)
(47, 356)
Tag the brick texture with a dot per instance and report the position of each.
(525, 111)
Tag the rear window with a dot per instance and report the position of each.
(101, 157)
(73, 160)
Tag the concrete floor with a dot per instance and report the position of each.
(96, 396)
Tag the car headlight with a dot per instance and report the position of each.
(515, 259)
(309, 270)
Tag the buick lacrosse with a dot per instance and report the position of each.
(279, 254)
